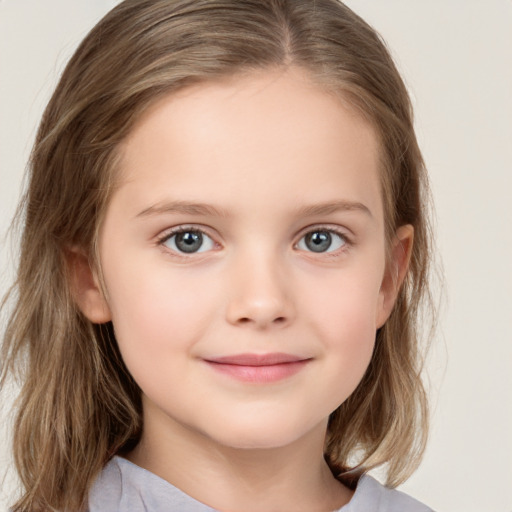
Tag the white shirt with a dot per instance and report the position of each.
(125, 487)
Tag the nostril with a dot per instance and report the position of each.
(246, 320)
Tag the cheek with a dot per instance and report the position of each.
(344, 302)
(157, 312)
(343, 317)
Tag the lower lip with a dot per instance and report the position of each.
(259, 374)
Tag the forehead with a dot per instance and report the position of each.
(261, 131)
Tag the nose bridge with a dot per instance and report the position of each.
(260, 294)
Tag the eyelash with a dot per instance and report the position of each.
(166, 236)
(348, 242)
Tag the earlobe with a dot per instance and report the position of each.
(396, 270)
(85, 287)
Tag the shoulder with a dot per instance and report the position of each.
(371, 495)
(125, 487)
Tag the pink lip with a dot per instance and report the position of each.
(260, 368)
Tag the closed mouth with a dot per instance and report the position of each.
(259, 368)
(249, 359)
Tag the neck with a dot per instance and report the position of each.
(292, 477)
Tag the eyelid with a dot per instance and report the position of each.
(337, 230)
(333, 228)
(167, 234)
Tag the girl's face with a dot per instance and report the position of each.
(244, 258)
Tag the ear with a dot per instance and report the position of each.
(396, 270)
(85, 287)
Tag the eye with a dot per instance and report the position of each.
(322, 240)
(188, 241)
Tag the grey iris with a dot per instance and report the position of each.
(189, 241)
(318, 241)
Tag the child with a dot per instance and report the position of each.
(225, 248)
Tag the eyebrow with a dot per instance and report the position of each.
(188, 208)
(203, 209)
(333, 207)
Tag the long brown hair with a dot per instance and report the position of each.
(78, 404)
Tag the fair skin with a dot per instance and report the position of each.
(248, 328)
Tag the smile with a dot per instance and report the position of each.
(259, 368)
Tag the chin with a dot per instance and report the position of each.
(263, 435)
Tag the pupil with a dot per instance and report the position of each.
(318, 241)
(189, 241)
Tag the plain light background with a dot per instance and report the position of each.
(456, 58)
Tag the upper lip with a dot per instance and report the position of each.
(257, 359)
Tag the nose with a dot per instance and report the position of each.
(260, 294)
